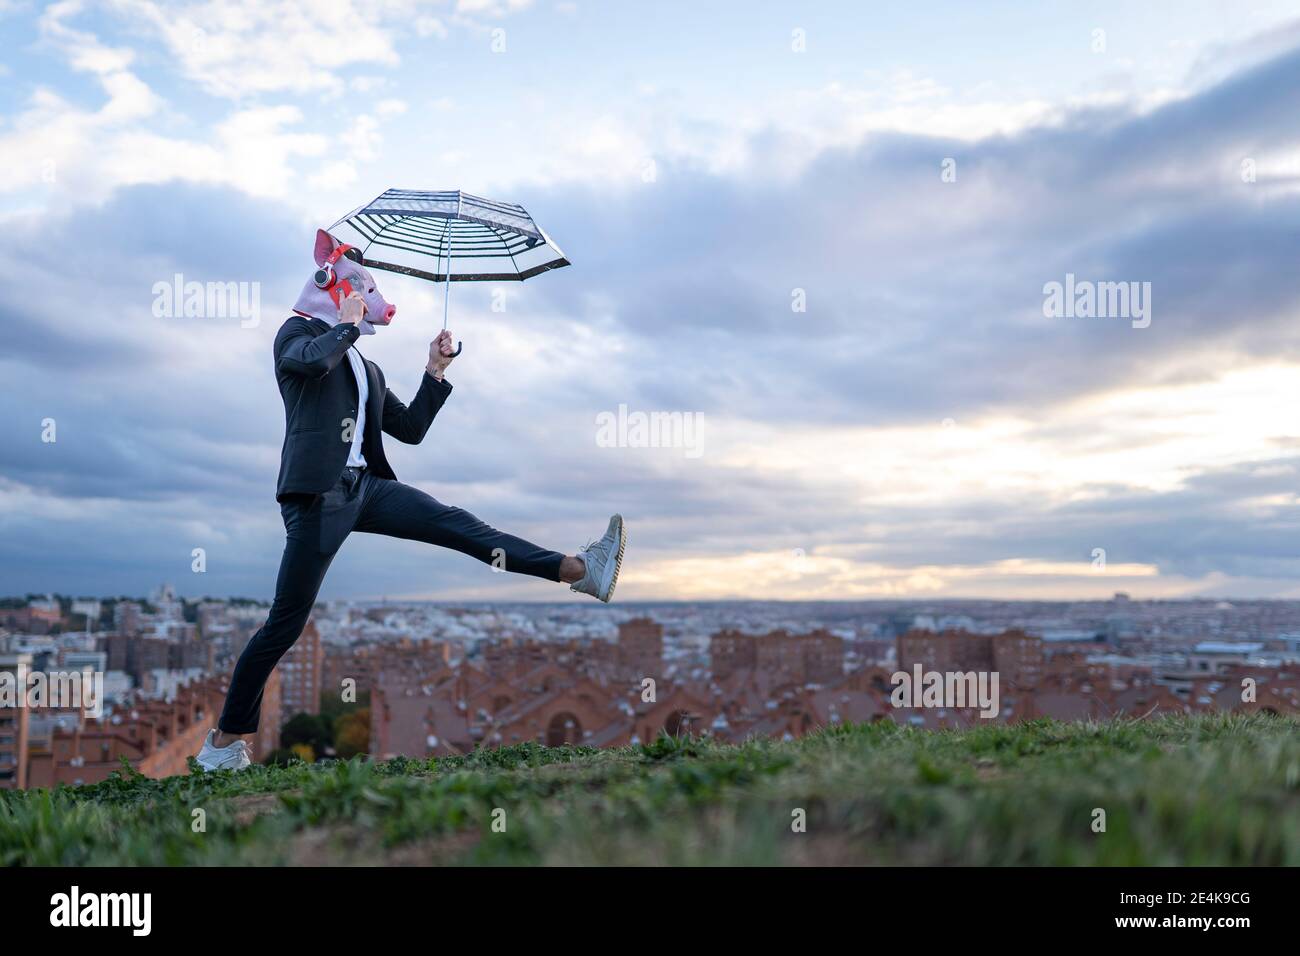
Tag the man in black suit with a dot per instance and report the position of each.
(335, 479)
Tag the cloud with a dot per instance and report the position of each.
(240, 48)
(1167, 446)
(924, 298)
(245, 48)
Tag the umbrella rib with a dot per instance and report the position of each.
(474, 238)
(425, 225)
(474, 251)
(366, 206)
(513, 261)
(414, 232)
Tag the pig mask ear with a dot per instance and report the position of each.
(325, 244)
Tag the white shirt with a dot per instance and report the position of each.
(355, 458)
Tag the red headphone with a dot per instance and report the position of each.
(326, 278)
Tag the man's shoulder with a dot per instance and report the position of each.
(299, 321)
(297, 324)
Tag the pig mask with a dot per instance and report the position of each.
(319, 303)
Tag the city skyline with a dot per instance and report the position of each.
(422, 680)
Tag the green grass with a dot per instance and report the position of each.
(1176, 791)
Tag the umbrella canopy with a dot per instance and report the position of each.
(436, 235)
(448, 237)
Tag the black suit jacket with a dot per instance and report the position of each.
(320, 400)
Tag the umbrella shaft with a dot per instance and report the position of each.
(446, 296)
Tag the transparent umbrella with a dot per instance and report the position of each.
(449, 237)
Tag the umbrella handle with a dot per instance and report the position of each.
(459, 346)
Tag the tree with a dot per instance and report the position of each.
(352, 733)
(308, 729)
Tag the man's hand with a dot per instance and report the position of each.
(440, 356)
(352, 309)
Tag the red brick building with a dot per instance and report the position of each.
(816, 657)
(155, 736)
(640, 649)
(1017, 657)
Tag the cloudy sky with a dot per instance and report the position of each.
(823, 234)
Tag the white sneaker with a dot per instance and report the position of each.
(232, 757)
(603, 560)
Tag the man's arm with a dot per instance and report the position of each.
(410, 423)
(300, 350)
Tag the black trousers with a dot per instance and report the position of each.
(316, 527)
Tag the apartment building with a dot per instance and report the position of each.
(14, 726)
(301, 670)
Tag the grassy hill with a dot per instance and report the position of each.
(1178, 790)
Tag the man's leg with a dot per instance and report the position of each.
(400, 511)
(302, 569)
